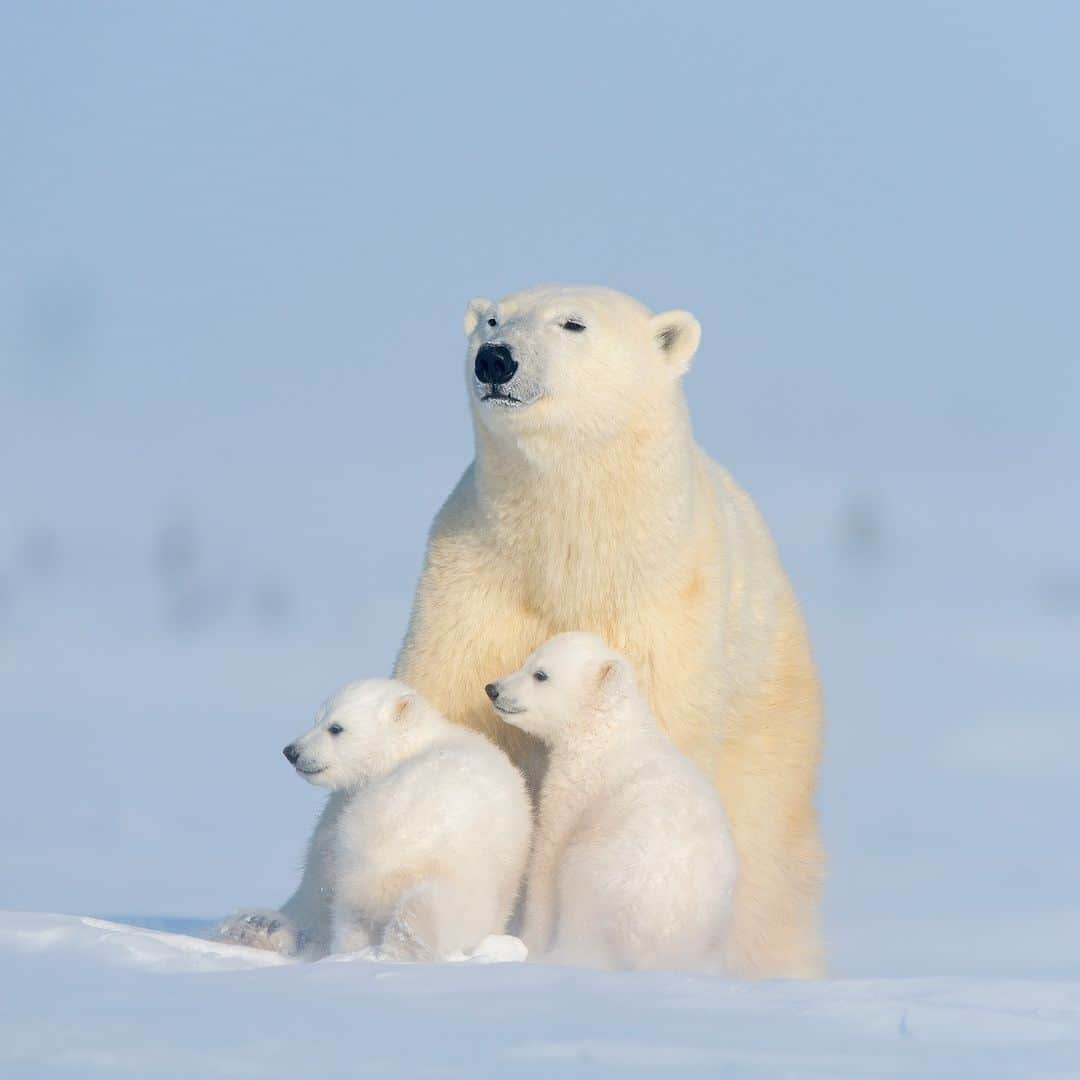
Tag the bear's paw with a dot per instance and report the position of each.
(268, 930)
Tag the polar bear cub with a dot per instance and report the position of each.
(633, 863)
(429, 843)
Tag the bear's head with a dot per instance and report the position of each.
(562, 686)
(571, 359)
(363, 731)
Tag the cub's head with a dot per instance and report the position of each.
(362, 731)
(562, 686)
(578, 359)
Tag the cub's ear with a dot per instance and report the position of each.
(677, 335)
(474, 310)
(404, 707)
(612, 678)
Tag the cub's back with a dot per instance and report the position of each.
(661, 809)
(459, 801)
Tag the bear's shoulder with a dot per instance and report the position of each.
(454, 780)
(459, 513)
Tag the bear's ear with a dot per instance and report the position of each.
(403, 707)
(677, 335)
(611, 678)
(473, 312)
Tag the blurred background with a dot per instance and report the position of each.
(236, 242)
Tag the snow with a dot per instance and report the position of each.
(237, 245)
(83, 996)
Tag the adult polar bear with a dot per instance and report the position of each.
(590, 507)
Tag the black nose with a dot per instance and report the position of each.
(291, 754)
(491, 690)
(495, 364)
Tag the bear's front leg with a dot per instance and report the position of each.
(352, 932)
(430, 922)
(268, 930)
(412, 932)
(541, 900)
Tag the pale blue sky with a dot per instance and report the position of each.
(236, 241)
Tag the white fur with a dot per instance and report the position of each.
(589, 506)
(633, 863)
(422, 847)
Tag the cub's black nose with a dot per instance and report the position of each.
(495, 364)
(291, 754)
(491, 690)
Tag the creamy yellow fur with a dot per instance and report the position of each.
(594, 509)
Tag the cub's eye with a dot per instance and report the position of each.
(335, 729)
(573, 326)
(541, 676)
(493, 322)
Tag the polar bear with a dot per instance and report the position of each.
(633, 864)
(425, 852)
(589, 506)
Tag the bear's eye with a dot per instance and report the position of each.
(573, 326)
(493, 322)
(540, 676)
(335, 729)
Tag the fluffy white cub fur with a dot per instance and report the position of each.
(633, 863)
(425, 840)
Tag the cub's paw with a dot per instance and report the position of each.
(262, 930)
(400, 945)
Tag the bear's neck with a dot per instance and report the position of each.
(417, 737)
(589, 527)
(613, 735)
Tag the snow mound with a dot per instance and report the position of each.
(494, 949)
(90, 997)
(126, 946)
